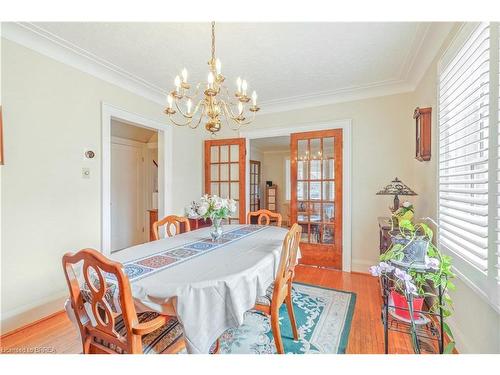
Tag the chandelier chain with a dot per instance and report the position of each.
(213, 40)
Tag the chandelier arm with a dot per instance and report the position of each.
(178, 123)
(179, 110)
(185, 114)
(228, 95)
(195, 94)
(229, 123)
(229, 110)
(246, 122)
(202, 113)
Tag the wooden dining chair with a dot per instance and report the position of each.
(281, 289)
(266, 215)
(169, 221)
(101, 299)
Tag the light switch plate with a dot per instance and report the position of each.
(85, 172)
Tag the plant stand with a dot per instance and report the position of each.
(425, 330)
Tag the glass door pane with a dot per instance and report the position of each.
(316, 193)
(225, 172)
(254, 185)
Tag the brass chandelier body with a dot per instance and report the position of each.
(215, 103)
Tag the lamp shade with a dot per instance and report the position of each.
(396, 187)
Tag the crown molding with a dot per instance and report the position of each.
(338, 96)
(427, 42)
(50, 45)
(428, 49)
(425, 46)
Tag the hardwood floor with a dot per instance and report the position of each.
(57, 335)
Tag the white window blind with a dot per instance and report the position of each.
(497, 265)
(463, 151)
(469, 162)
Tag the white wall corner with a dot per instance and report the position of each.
(50, 45)
(426, 51)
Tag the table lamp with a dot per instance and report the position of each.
(396, 188)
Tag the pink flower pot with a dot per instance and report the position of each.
(401, 303)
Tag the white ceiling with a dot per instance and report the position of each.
(135, 133)
(283, 62)
(281, 143)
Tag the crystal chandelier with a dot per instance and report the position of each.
(215, 102)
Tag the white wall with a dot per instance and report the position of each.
(273, 169)
(52, 112)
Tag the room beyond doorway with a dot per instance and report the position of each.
(270, 182)
(134, 183)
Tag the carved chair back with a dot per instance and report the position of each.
(171, 222)
(265, 216)
(288, 261)
(99, 293)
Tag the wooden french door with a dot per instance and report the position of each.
(316, 195)
(254, 185)
(225, 172)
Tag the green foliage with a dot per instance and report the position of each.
(435, 278)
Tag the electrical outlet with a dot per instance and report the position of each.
(85, 172)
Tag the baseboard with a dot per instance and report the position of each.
(461, 343)
(361, 265)
(25, 315)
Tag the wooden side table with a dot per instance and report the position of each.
(384, 227)
(199, 223)
(153, 217)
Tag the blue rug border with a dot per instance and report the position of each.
(344, 337)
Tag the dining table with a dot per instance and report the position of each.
(208, 285)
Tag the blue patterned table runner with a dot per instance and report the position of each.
(153, 263)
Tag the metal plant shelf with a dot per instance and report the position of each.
(423, 331)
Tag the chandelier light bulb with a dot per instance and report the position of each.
(210, 79)
(184, 75)
(189, 104)
(170, 100)
(244, 86)
(238, 84)
(177, 83)
(254, 98)
(218, 66)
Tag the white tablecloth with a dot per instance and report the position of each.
(211, 292)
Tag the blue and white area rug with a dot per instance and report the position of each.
(323, 318)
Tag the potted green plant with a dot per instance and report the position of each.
(418, 279)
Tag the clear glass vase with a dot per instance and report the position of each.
(216, 229)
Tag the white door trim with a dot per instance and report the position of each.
(346, 126)
(165, 159)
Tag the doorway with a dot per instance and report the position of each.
(316, 195)
(273, 157)
(164, 161)
(344, 126)
(134, 183)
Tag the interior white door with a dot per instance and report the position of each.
(127, 196)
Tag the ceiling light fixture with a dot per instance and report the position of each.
(215, 101)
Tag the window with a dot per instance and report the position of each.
(468, 151)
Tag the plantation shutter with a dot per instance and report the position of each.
(497, 255)
(463, 122)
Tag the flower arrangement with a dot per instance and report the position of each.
(214, 208)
